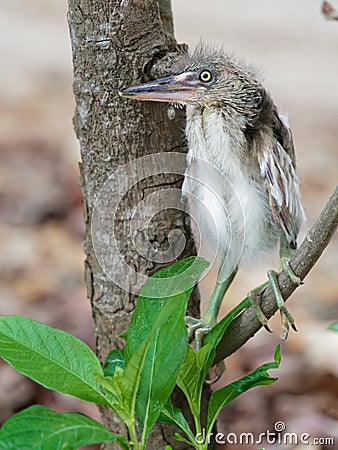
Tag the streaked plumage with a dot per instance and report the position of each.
(233, 124)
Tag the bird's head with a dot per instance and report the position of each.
(207, 79)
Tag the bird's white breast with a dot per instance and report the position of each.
(229, 208)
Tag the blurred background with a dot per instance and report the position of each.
(41, 229)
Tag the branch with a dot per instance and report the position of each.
(329, 12)
(315, 242)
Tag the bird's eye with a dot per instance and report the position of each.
(205, 76)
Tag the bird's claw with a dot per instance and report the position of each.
(253, 296)
(197, 328)
(266, 326)
(285, 265)
(287, 320)
(219, 370)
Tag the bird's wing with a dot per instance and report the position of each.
(277, 166)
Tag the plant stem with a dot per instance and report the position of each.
(198, 427)
(133, 436)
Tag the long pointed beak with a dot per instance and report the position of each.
(174, 89)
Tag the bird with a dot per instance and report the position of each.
(240, 163)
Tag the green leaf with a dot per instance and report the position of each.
(175, 279)
(334, 327)
(225, 395)
(174, 416)
(188, 379)
(163, 361)
(132, 378)
(197, 365)
(123, 335)
(39, 428)
(161, 320)
(113, 388)
(180, 438)
(53, 358)
(215, 335)
(149, 307)
(114, 359)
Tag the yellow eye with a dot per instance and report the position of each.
(205, 76)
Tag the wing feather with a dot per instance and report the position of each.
(277, 166)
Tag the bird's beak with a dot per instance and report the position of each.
(173, 89)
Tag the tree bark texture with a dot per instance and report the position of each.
(116, 44)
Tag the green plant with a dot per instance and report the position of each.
(135, 383)
(334, 327)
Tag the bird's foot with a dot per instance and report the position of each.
(285, 266)
(253, 296)
(219, 369)
(197, 329)
(287, 319)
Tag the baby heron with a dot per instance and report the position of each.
(233, 124)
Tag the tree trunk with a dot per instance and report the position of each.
(117, 44)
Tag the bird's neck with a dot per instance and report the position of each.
(216, 137)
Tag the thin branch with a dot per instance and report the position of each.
(329, 11)
(315, 242)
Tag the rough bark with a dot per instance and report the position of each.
(115, 44)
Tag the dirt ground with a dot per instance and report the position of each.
(41, 229)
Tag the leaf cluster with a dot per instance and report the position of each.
(136, 383)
